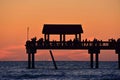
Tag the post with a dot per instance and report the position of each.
(91, 60)
(60, 39)
(80, 37)
(29, 60)
(63, 39)
(53, 59)
(97, 60)
(45, 37)
(119, 60)
(76, 36)
(33, 60)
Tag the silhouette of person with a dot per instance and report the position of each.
(88, 42)
(76, 42)
(40, 42)
(28, 46)
(33, 45)
(95, 42)
(46, 43)
(54, 44)
(112, 42)
(85, 42)
(69, 43)
(101, 43)
(118, 42)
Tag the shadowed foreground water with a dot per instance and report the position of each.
(67, 70)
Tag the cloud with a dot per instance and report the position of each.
(14, 48)
(13, 52)
(17, 52)
(108, 55)
(62, 55)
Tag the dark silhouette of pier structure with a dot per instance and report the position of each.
(62, 30)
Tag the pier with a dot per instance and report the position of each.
(62, 30)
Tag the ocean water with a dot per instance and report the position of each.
(67, 70)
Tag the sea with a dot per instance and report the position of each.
(67, 70)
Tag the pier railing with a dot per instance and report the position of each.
(77, 45)
(93, 48)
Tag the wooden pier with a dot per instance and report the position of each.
(62, 30)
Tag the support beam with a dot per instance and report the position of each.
(80, 37)
(119, 60)
(91, 60)
(45, 37)
(64, 39)
(76, 36)
(97, 60)
(29, 60)
(53, 59)
(33, 60)
(60, 39)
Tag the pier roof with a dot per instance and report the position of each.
(62, 29)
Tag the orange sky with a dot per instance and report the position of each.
(99, 18)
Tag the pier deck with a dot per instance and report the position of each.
(62, 30)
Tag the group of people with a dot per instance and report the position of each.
(70, 43)
(55, 43)
(31, 46)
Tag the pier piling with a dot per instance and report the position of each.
(119, 60)
(33, 60)
(97, 60)
(91, 60)
(29, 61)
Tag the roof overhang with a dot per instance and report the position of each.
(62, 29)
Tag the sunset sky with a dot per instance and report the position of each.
(99, 18)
